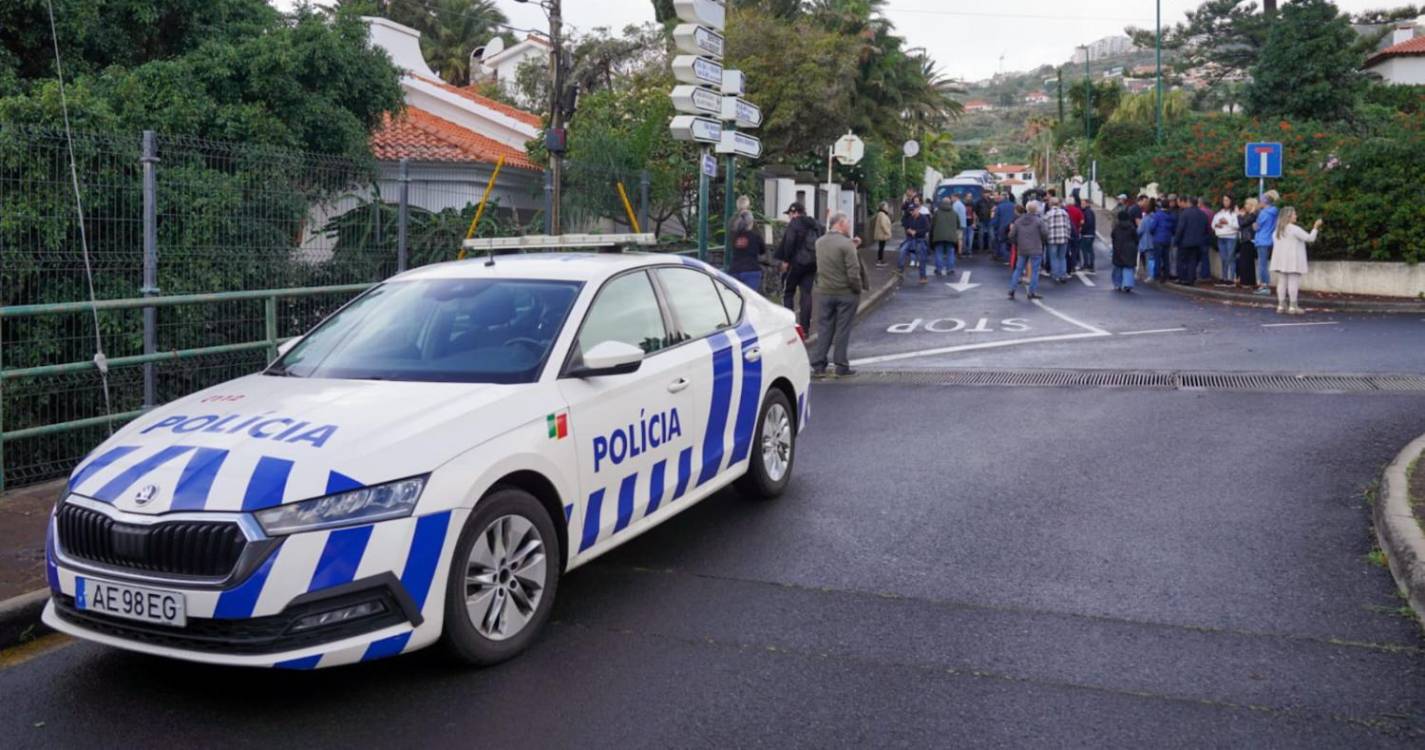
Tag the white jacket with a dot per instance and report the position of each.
(1289, 249)
(1224, 224)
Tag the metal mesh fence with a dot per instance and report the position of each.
(227, 217)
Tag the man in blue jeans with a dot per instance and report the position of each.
(1003, 217)
(1058, 230)
(1266, 226)
(1030, 237)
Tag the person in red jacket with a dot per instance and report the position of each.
(1076, 228)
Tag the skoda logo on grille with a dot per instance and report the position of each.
(145, 495)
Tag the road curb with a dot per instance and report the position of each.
(1345, 305)
(871, 302)
(20, 617)
(1399, 532)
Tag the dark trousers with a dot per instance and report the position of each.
(799, 278)
(1087, 252)
(1188, 258)
(835, 314)
(880, 251)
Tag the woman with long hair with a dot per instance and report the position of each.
(1246, 250)
(748, 247)
(1289, 258)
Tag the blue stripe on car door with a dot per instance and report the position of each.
(751, 397)
(591, 519)
(685, 471)
(625, 501)
(656, 481)
(713, 447)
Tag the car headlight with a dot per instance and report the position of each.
(366, 505)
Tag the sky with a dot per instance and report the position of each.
(965, 39)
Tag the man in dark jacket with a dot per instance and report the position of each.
(984, 221)
(1004, 216)
(797, 258)
(1087, 236)
(1191, 236)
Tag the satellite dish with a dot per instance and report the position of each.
(910, 149)
(493, 47)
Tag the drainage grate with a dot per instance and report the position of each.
(1214, 381)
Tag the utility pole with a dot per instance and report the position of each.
(1158, 52)
(556, 116)
(1060, 73)
(1088, 95)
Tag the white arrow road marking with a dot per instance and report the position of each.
(1084, 278)
(963, 285)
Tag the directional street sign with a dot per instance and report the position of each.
(849, 149)
(1264, 160)
(696, 100)
(706, 12)
(710, 166)
(694, 70)
(742, 144)
(733, 82)
(701, 129)
(744, 113)
(693, 39)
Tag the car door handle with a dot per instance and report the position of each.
(753, 354)
(678, 385)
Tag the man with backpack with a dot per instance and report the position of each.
(797, 256)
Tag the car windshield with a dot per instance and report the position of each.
(438, 330)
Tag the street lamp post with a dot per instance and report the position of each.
(554, 139)
(1088, 94)
(1158, 96)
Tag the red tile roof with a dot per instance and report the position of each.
(1008, 168)
(421, 136)
(1408, 48)
(528, 118)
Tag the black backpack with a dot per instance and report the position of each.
(806, 254)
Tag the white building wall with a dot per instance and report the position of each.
(1402, 70)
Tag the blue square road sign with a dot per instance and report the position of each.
(1264, 160)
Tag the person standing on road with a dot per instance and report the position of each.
(1146, 206)
(1204, 270)
(984, 222)
(1266, 229)
(1225, 227)
(967, 225)
(1246, 248)
(917, 240)
(797, 256)
(945, 236)
(1191, 237)
(910, 206)
(1076, 226)
(747, 249)
(1289, 258)
(1029, 236)
(881, 232)
(1087, 238)
(1003, 218)
(1125, 251)
(1164, 224)
(1058, 232)
(838, 292)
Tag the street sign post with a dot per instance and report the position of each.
(693, 39)
(709, 166)
(696, 100)
(697, 71)
(710, 13)
(849, 149)
(740, 144)
(700, 129)
(739, 110)
(1263, 160)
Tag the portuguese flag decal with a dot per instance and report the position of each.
(558, 425)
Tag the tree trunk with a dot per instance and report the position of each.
(1269, 7)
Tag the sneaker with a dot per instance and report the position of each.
(1295, 311)
(1127, 290)
(924, 280)
(880, 264)
(818, 374)
(1281, 309)
(1263, 291)
(1032, 295)
(844, 372)
(1011, 295)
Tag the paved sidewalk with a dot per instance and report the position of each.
(1309, 300)
(23, 514)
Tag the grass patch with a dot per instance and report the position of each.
(1377, 558)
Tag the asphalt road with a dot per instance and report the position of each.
(952, 566)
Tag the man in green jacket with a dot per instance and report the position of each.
(945, 236)
(839, 282)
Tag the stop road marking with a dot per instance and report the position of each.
(953, 325)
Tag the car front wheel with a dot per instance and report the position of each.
(502, 579)
(773, 451)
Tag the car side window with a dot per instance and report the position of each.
(695, 301)
(731, 301)
(626, 310)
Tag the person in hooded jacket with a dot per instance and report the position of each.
(1164, 224)
(1087, 235)
(881, 232)
(747, 249)
(797, 256)
(1125, 251)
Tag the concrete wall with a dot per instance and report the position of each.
(1359, 277)
(1402, 70)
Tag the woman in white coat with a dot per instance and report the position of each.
(1289, 258)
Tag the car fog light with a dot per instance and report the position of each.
(338, 616)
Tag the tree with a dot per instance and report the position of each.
(450, 29)
(1105, 96)
(1222, 38)
(1307, 68)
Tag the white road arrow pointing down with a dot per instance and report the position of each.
(963, 285)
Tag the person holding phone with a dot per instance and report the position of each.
(1289, 258)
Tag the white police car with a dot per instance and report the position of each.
(427, 463)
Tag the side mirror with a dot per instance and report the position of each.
(609, 358)
(287, 345)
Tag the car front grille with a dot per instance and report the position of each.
(208, 549)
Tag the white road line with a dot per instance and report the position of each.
(973, 347)
(1061, 316)
(1293, 325)
(1155, 330)
(1084, 278)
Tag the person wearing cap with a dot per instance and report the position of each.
(797, 258)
